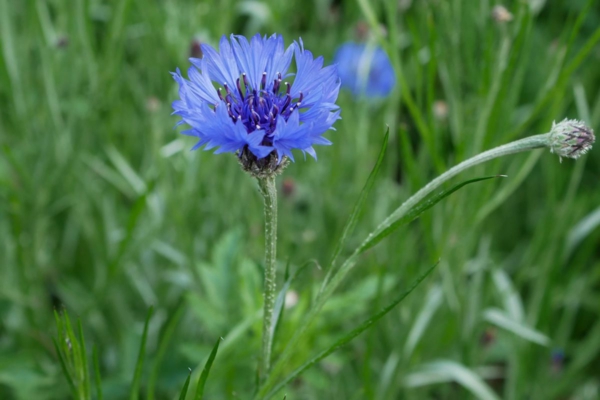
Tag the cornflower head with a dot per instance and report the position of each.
(571, 138)
(365, 70)
(254, 110)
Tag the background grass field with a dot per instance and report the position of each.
(104, 210)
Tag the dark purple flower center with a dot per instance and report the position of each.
(259, 108)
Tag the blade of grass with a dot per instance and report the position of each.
(448, 371)
(137, 377)
(503, 321)
(280, 300)
(171, 324)
(185, 387)
(431, 304)
(206, 370)
(64, 368)
(84, 363)
(508, 189)
(97, 376)
(350, 335)
(358, 208)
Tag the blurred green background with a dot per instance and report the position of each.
(104, 210)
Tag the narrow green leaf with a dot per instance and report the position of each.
(84, 363)
(163, 344)
(431, 304)
(349, 336)
(416, 211)
(511, 186)
(582, 230)
(97, 377)
(120, 162)
(206, 370)
(448, 371)
(358, 208)
(185, 387)
(280, 300)
(136, 211)
(135, 386)
(63, 366)
(500, 319)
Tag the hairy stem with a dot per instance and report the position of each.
(269, 192)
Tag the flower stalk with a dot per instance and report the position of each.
(548, 140)
(269, 193)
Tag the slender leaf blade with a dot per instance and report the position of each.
(350, 335)
(206, 370)
(358, 208)
(135, 386)
(448, 371)
(84, 363)
(169, 330)
(184, 390)
(97, 376)
(419, 209)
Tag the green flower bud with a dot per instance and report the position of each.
(571, 138)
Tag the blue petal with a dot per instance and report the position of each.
(250, 58)
(221, 67)
(290, 135)
(278, 60)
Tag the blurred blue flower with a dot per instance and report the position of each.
(365, 70)
(255, 111)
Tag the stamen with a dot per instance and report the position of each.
(263, 81)
(245, 80)
(288, 100)
(219, 93)
(288, 88)
(239, 88)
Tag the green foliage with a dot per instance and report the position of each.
(105, 212)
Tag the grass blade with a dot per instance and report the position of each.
(350, 335)
(206, 370)
(280, 300)
(358, 208)
(171, 324)
(63, 366)
(185, 387)
(503, 321)
(84, 363)
(449, 371)
(135, 386)
(97, 376)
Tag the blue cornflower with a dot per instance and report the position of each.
(365, 70)
(255, 111)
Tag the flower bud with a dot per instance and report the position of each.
(571, 138)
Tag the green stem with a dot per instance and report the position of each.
(518, 146)
(269, 192)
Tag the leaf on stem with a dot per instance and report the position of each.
(350, 335)
(417, 210)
